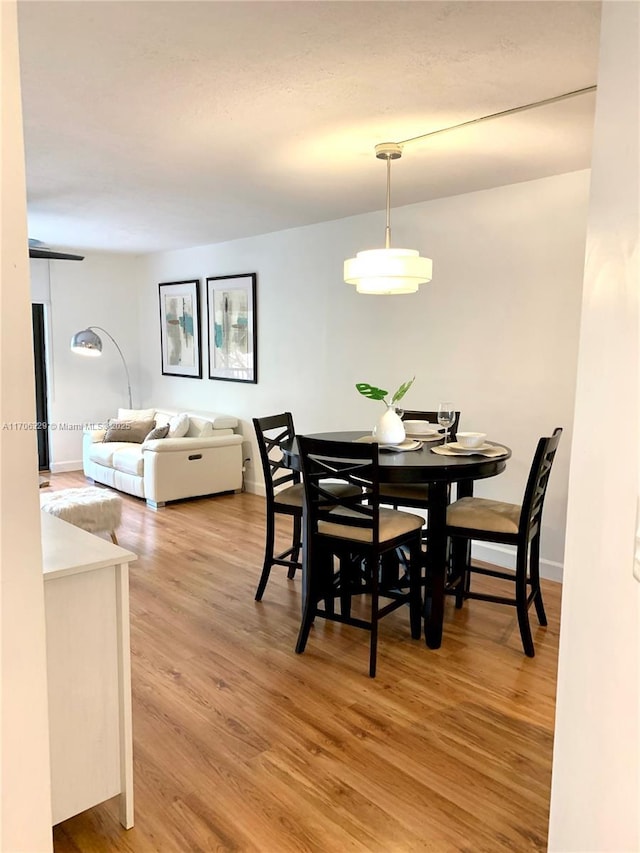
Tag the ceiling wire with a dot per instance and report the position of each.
(510, 111)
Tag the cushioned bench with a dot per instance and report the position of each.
(94, 510)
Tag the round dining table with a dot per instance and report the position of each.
(439, 472)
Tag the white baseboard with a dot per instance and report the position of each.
(254, 488)
(505, 557)
(61, 467)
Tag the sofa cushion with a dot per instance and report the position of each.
(129, 460)
(157, 432)
(136, 414)
(199, 427)
(179, 425)
(102, 454)
(129, 431)
(218, 421)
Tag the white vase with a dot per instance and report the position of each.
(390, 429)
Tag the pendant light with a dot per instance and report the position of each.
(387, 271)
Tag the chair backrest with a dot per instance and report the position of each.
(537, 482)
(271, 432)
(432, 417)
(349, 462)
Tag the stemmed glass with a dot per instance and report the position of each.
(446, 417)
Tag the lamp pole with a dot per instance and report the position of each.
(126, 369)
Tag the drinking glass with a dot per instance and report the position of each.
(446, 417)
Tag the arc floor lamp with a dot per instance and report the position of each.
(88, 343)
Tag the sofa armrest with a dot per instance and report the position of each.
(176, 468)
(171, 445)
(94, 435)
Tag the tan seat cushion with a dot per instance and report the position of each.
(392, 524)
(291, 496)
(294, 495)
(400, 491)
(484, 514)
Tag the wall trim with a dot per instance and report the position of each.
(505, 557)
(255, 488)
(61, 467)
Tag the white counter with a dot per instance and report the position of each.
(86, 587)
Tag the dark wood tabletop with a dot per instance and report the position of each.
(416, 466)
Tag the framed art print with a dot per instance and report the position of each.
(232, 327)
(180, 328)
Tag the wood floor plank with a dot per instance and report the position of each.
(242, 745)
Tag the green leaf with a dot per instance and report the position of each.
(402, 390)
(371, 391)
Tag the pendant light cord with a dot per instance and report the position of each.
(387, 230)
(502, 113)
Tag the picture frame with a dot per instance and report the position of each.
(232, 327)
(180, 328)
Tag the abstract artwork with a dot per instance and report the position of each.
(232, 327)
(180, 328)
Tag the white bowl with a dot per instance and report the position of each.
(418, 427)
(470, 439)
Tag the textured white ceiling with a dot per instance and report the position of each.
(160, 125)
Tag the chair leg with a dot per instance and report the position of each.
(415, 588)
(319, 587)
(328, 585)
(534, 575)
(268, 557)
(309, 610)
(346, 581)
(521, 603)
(373, 645)
(296, 540)
(308, 615)
(460, 558)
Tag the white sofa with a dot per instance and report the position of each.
(207, 460)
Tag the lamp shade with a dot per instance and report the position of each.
(387, 271)
(86, 342)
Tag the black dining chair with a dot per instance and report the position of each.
(413, 495)
(284, 493)
(356, 531)
(507, 524)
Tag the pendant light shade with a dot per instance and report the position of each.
(387, 271)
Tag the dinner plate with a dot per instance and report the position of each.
(407, 444)
(426, 436)
(460, 448)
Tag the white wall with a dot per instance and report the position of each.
(496, 330)
(26, 789)
(595, 793)
(99, 291)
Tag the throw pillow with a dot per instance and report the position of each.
(158, 432)
(136, 414)
(179, 425)
(133, 432)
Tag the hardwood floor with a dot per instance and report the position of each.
(242, 745)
